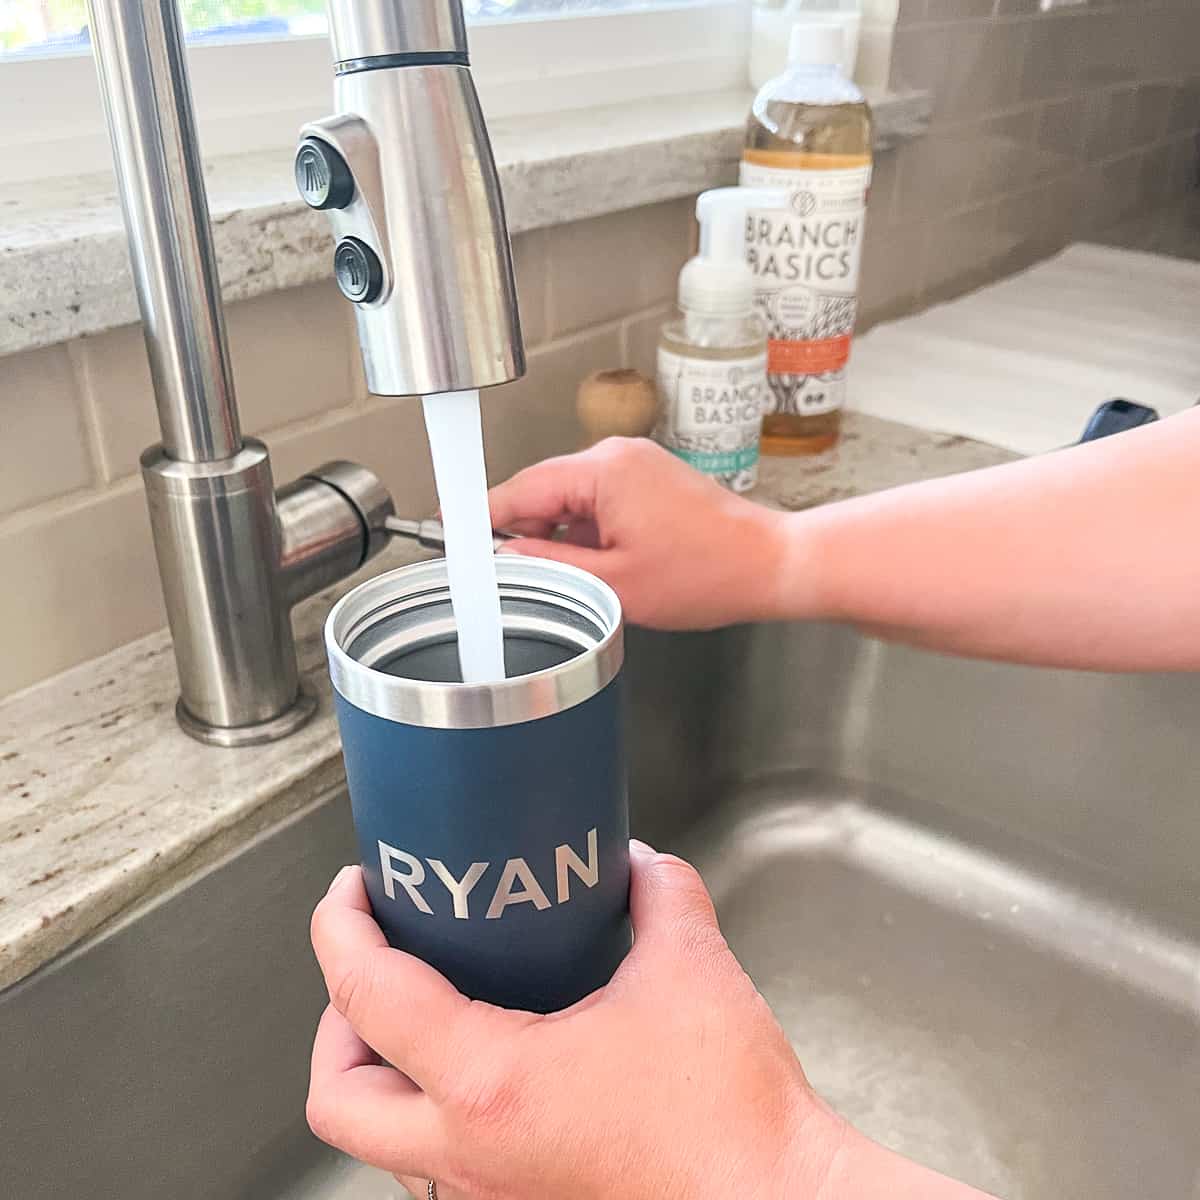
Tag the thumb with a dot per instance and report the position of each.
(668, 900)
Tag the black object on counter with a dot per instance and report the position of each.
(1116, 416)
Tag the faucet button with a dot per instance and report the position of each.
(358, 270)
(322, 176)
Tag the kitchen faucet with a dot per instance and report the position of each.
(421, 249)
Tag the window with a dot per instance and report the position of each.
(41, 27)
(261, 68)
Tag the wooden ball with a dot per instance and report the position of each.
(616, 403)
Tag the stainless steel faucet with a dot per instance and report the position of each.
(423, 252)
(406, 173)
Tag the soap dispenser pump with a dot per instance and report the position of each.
(712, 359)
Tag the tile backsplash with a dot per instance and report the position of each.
(1048, 128)
(76, 417)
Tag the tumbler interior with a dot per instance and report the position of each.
(393, 645)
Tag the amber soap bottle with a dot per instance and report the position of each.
(809, 132)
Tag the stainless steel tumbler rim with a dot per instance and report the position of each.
(404, 609)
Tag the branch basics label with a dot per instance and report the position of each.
(806, 261)
(712, 413)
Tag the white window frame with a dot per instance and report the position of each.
(253, 95)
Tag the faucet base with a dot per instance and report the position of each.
(230, 737)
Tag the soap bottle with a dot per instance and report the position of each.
(809, 132)
(712, 360)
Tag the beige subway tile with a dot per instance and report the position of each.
(959, 253)
(1113, 192)
(41, 429)
(641, 339)
(885, 175)
(908, 12)
(664, 234)
(1185, 108)
(1060, 136)
(529, 266)
(534, 418)
(595, 269)
(1108, 122)
(115, 370)
(1185, 166)
(1007, 154)
(1017, 8)
(1035, 224)
(387, 436)
(1155, 180)
(957, 10)
(1054, 57)
(1151, 110)
(1110, 47)
(291, 355)
(1168, 41)
(984, 69)
(935, 173)
(891, 273)
(88, 584)
(921, 59)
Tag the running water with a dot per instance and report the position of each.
(456, 443)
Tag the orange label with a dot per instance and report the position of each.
(808, 358)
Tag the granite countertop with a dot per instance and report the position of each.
(64, 264)
(107, 804)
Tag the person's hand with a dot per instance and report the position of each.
(674, 1081)
(682, 552)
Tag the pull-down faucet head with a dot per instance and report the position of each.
(406, 173)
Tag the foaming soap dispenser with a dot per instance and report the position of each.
(712, 359)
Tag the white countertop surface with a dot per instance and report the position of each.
(1023, 363)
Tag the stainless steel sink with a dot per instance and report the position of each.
(969, 892)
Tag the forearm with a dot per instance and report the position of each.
(869, 1171)
(831, 1160)
(1089, 557)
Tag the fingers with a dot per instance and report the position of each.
(587, 559)
(549, 492)
(398, 1005)
(372, 1112)
(668, 902)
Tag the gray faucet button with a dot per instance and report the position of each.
(358, 271)
(322, 176)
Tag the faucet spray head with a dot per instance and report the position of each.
(407, 176)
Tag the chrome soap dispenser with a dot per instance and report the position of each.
(406, 173)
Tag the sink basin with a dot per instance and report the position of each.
(969, 892)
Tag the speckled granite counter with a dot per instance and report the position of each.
(105, 803)
(64, 265)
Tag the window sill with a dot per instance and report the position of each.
(64, 269)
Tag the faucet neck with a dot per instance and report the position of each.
(367, 33)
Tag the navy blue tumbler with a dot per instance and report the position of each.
(492, 819)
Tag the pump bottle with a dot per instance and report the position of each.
(712, 360)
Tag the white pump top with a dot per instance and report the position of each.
(718, 282)
(816, 44)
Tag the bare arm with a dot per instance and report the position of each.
(1088, 557)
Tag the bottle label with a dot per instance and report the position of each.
(712, 413)
(806, 259)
